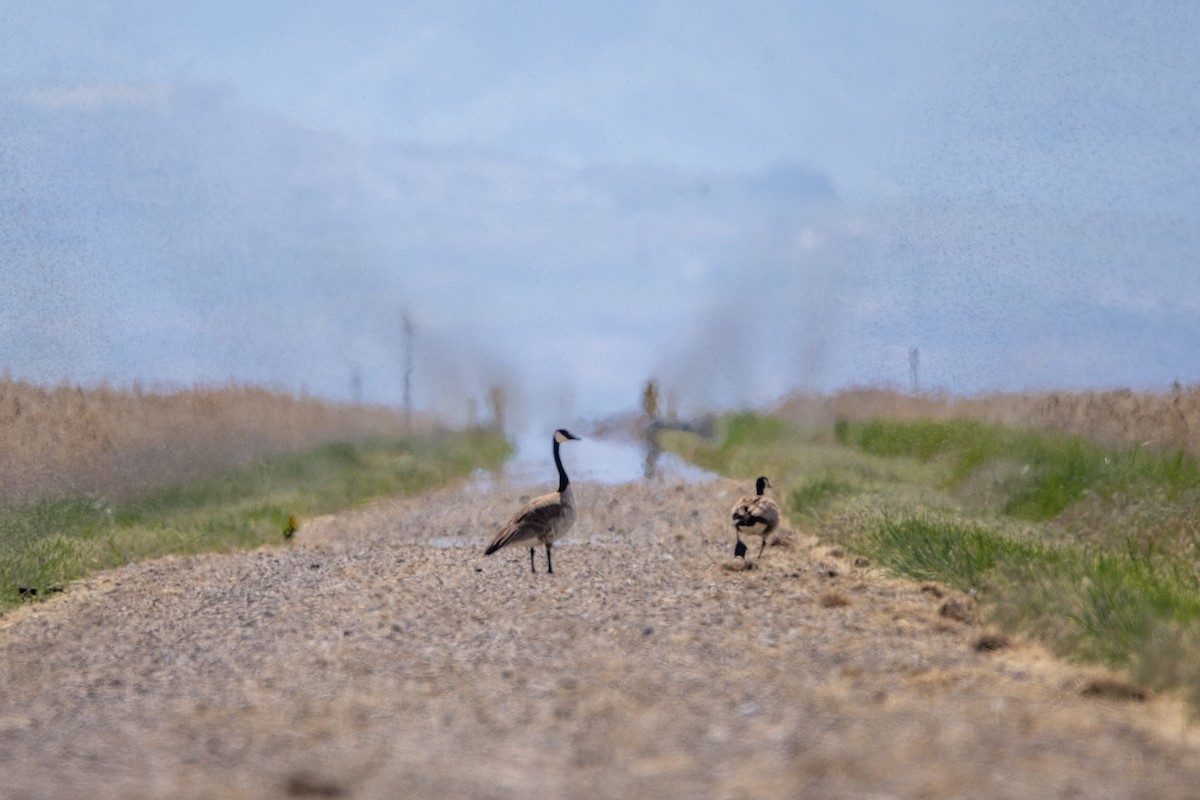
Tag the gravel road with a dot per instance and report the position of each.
(381, 655)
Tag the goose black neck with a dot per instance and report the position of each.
(563, 480)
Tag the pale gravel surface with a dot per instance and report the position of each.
(360, 661)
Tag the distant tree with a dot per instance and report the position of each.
(650, 399)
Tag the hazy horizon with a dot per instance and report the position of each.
(739, 202)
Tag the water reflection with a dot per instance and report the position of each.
(611, 460)
(653, 448)
(653, 451)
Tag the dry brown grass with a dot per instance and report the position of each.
(832, 598)
(1166, 421)
(116, 443)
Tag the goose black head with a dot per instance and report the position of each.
(762, 483)
(563, 435)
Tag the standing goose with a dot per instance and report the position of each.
(755, 514)
(544, 518)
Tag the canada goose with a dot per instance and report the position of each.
(544, 518)
(756, 514)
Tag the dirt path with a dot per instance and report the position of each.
(362, 662)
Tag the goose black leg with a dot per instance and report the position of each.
(739, 549)
(549, 566)
(763, 547)
(532, 568)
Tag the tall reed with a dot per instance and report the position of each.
(117, 443)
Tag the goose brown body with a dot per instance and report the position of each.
(756, 515)
(543, 519)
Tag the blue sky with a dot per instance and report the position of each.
(739, 199)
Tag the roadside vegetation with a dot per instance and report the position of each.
(46, 544)
(120, 443)
(1092, 548)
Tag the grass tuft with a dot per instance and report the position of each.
(815, 491)
(961, 555)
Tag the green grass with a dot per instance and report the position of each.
(45, 546)
(737, 433)
(1055, 470)
(961, 555)
(1097, 605)
(815, 491)
(1092, 549)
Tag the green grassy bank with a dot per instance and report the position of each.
(44, 546)
(1094, 550)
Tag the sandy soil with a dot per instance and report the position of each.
(380, 655)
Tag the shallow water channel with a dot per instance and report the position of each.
(610, 460)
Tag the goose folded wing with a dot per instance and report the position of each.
(744, 509)
(531, 521)
(760, 511)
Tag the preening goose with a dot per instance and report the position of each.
(754, 514)
(542, 519)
